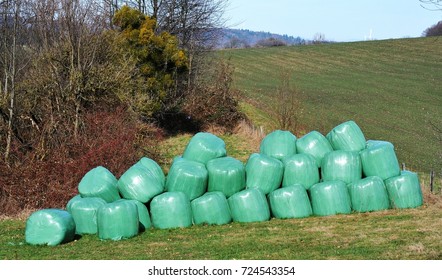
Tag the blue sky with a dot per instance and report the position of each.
(338, 20)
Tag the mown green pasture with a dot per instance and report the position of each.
(392, 89)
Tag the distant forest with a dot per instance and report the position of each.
(244, 38)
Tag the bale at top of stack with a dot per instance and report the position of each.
(204, 147)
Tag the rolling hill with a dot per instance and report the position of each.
(391, 88)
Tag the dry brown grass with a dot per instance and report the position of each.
(252, 133)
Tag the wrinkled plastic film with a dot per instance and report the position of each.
(49, 227)
(143, 215)
(72, 200)
(189, 177)
(264, 172)
(314, 144)
(379, 159)
(249, 205)
(404, 190)
(99, 182)
(154, 168)
(171, 210)
(347, 136)
(341, 165)
(118, 220)
(139, 183)
(278, 144)
(226, 175)
(300, 169)
(204, 147)
(290, 202)
(212, 208)
(330, 198)
(84, 211)
(369, 194)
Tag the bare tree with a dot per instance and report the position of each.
(434, 30)
(318, 38)
(287, 107)
(69, 32)
(11, 26)
(431, 4)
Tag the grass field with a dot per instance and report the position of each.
(391, 234)
(392, 89)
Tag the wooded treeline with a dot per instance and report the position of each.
(83, 81)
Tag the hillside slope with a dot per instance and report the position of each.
(392, 89)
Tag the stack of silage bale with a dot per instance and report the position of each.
(289, 178)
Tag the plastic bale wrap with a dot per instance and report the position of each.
(84, 211)
(300, 169)
(369, 194)
(171, 210)
(264, 172)
(404, 191)
(249, 205)
(187, 176)
(154, 168)
(341, 165)
(118, 220)
(314, 144)
(143, 214)
(139, 183)
(290, 202)
(347, 137)
(226, 175)
(99, 182)
(72, 200)
(203, 147)
(278, 144)
(49, 227)
(330, 198)
(212, 208)
(379, 159)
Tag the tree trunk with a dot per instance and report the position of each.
(13, 73)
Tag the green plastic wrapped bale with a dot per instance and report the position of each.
(347, 137)
(226, 175)
(369, 194)
(84, 211)
(341, 165)
(212, 208)
(404, 190)
(314, 144)
(154, 168)
(139, 183)
(143, 215)
(379, 159)
(278, 144)
(171, 210)
(72, 200)
(248, 206)
(300, 169)
(99, 182)
(330, 198)
(187, 176)
(290, 202)
(49, 227)
(264, 172)
(118, 220)
(203, 147)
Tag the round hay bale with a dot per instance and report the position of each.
(290, 202)
(264, 172)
